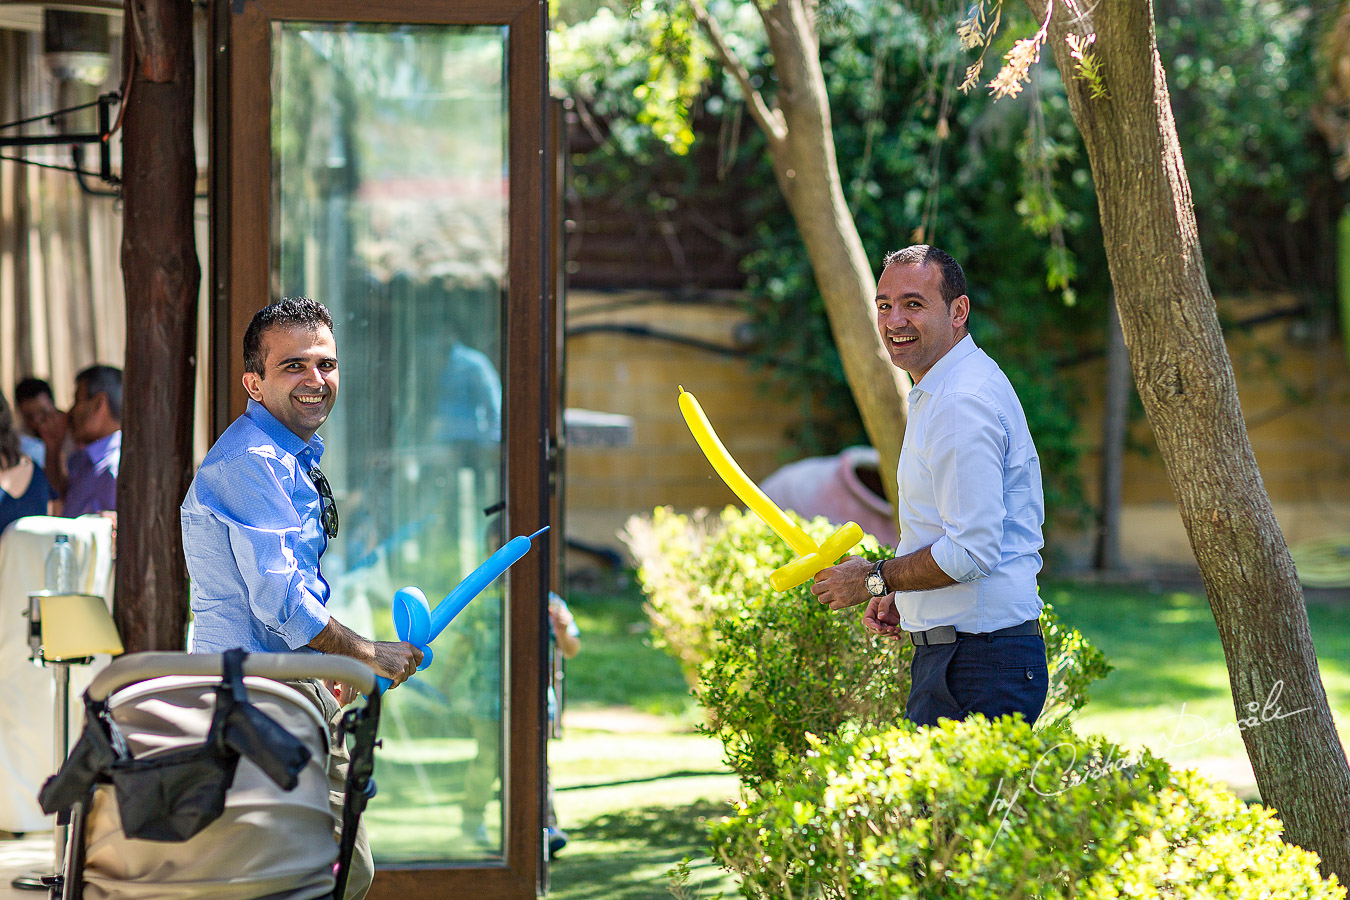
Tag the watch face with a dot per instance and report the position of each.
(876, 586)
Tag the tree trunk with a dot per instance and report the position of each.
(1115, 417)
(162, 276)
(1185, 380)
(808, 174)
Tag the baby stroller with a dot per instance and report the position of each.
(205, 776)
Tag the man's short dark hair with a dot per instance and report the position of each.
(288, 312)
(30, 387)
(105, 380)
(953, 279)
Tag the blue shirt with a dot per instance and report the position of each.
(970, 489)
(470, 405)
(253, 535)
(33, 448)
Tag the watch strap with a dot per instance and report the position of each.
(875, 575)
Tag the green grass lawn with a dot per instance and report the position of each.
(635, 785)
(618, 666)
(1169, 690)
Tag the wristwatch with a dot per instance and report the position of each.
(876, 585)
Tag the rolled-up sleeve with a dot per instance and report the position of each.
(967, 443)
(265, 537)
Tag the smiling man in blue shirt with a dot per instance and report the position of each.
(259, 515)
(962, 585)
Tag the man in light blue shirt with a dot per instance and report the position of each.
(962, 585)
(258, 517)
(255, 522)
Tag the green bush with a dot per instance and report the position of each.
(781, 666)
(772, 669)
(669, 550)
(981, 809)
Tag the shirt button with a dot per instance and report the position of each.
(1030, 675)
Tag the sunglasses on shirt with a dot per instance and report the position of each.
(327, 505)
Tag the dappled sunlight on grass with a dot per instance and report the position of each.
(598, 774)
(625, 855)
(634, 805)
(1169, 689)
(634, 785)
(658, 826)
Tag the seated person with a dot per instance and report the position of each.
(47, 439)
(24, 490)
(96, 423)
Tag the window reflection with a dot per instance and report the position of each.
(389, 162)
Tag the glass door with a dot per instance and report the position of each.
(389, 167)
(392, 179)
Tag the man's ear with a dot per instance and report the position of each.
(960, 311)
(253, 384)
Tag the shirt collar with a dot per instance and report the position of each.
(944, 366)
(105, 445)
(284, 438)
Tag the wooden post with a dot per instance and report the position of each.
(161, 273)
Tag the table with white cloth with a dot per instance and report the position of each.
(26, 709)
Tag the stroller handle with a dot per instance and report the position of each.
(134, 667)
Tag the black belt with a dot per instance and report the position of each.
(947, 634)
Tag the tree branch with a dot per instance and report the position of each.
(769, 119)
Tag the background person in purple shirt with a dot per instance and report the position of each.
(96, 424)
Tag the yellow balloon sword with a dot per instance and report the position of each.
(810, 557)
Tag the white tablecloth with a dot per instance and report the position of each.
(26, 707)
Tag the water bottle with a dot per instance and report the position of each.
(61, 566)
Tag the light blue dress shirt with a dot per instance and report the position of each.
(33, 448)
(253, 535)
(970, 488)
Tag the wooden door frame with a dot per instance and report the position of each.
(241, 192)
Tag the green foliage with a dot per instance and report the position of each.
(775, 669)
(784, 667)
(983, 180)
(1002, 185)
(1009, 195)
(1088, 66)
(679, 877)
(682, 605)
(980, 810)
(1241, 74)
(1075, 663)
(676, 70)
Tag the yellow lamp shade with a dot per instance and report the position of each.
(76, 626)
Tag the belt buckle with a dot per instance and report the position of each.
(942, 634)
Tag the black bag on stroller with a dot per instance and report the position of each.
(185, 784)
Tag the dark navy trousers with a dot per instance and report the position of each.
(995, 676)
